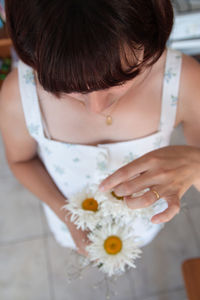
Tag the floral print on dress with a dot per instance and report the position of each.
(68, 145)
(129, 158)
(102, 161)
(46, 149)
(158, 141)
(76, 159)
(174, 100)
(33, 129)
(102, 165)
(29, 77)
(169, 74)
(64, 228)
(59, 170)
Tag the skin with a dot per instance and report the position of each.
(170, 170)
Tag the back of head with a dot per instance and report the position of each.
(84, 46)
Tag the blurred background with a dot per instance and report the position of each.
(186, 32)
(34, 266)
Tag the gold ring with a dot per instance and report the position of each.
(156, 193)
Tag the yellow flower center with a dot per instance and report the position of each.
(113, 245)
(114, 195)
(90, 204)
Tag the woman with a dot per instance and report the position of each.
(97, 92)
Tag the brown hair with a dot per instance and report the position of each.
(78, 46)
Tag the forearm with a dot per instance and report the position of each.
(33, 175)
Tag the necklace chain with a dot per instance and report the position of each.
(109, 119)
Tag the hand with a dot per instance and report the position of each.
(79, 236)
(81, 240)
(169, 170)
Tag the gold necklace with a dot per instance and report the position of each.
(109, 119)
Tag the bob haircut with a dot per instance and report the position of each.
(78, 46)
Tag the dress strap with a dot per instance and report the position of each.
(30, 103)
(170, 91)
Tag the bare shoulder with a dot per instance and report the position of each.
(10, 90)
(19, 145)
(189, 95)
(189, 99)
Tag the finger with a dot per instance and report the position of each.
(170, 212)
(126, 172)
(138, 184)
(144, 200)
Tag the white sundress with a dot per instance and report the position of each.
(72, 166)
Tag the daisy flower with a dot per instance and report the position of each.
(84, 208)
(113, 248)
(116, 207)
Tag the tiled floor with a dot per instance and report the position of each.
(33, 265)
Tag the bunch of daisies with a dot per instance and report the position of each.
(108, 219)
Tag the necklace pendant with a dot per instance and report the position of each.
(108, 120)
